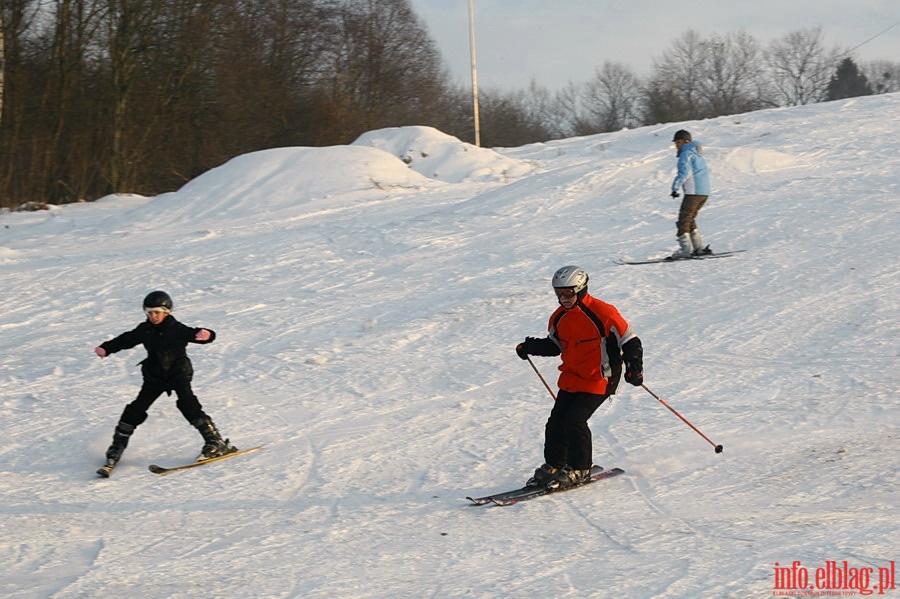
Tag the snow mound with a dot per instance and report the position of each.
(305, 173)
(292, 180)
(439, 156)
(758, 160)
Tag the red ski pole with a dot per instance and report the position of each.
(719, 448)
(549, 390)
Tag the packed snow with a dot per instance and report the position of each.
(367, 300)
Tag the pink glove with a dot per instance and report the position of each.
(202, 335)
(100, 352)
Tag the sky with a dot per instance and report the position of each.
(367, 300)
(555, 42)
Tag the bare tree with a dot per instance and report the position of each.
(702, 78)
(683, 64)
(268, 58)
(564, 113)
(611, 99)
(2, 60)
(387, 70)
(131, 25)
(60, 104)
(514, 118)
(19, 90)
(883, 75)
(15, 16)
(730, 76)
(670, 94)
(508, 119)
(800, 67)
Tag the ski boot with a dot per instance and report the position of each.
(214, 446)
(569, 477)
(697, 243)
(121, 436)
(542, 476)
(685, 248)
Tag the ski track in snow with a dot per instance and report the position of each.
(367, 300)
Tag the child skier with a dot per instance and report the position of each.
(166, 368)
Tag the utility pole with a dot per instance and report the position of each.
(474, 75)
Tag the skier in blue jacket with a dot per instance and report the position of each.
(693, 179)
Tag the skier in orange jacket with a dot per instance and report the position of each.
(594, 341)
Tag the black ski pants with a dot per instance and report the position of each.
(567, 438)
(135, 413)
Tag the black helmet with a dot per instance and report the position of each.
(158, 299)
(682, 134)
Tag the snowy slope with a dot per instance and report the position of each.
(367, 300)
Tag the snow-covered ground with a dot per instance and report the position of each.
(367, 301)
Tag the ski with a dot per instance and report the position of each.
(540, 491)
(517, 492)
(160, 470)
(670, 259)
(510, 497)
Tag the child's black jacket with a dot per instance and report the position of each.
(167, 362)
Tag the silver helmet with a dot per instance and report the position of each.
(571, 276)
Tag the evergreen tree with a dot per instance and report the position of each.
(848, 82)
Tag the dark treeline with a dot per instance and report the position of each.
(101, 96)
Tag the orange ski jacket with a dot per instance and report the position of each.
(591, 337)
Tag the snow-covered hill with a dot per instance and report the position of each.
(367, 301)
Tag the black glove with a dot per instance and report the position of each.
(534, 346)
(520, 349)
(633, 356)
(675, 194)
(636, 378)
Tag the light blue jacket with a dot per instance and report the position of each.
(693, 175)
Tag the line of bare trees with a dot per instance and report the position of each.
(698, 78)
(101, 96)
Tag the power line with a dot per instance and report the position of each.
(872, 38)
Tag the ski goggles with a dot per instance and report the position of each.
(564, 293)
(159, 309)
